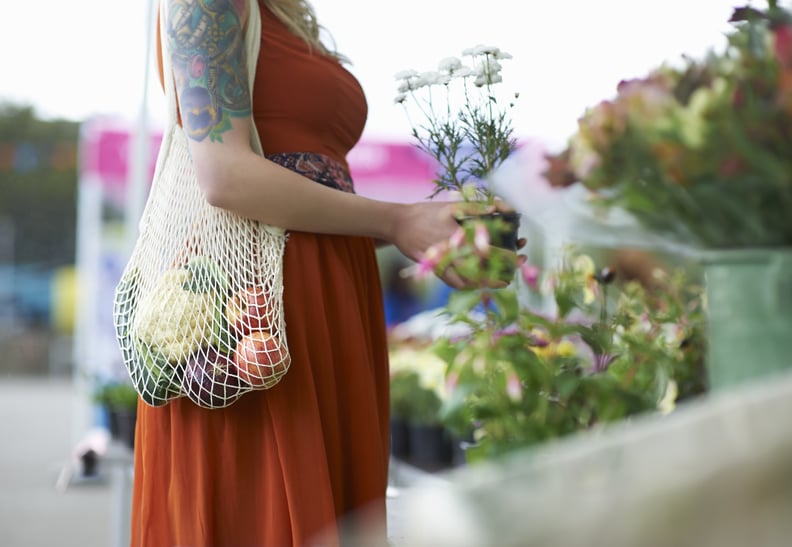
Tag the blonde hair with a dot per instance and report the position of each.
(300, 18)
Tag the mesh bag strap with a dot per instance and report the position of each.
(198, 311)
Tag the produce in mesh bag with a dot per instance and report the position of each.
(200, 279)
(191, 335)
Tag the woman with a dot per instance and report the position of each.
(283, 467)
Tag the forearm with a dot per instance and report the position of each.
(255, 187)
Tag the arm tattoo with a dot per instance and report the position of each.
(207, 50)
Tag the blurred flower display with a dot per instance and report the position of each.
(417, 385)
(611, 349)
(699, 152)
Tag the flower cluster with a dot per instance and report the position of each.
(700, 151)
(610, 349)
(473, 254)
(463, 127)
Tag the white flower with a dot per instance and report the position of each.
(405, 74)
(453, 114)
(441, 78)
(486, 50)
(449, 64)
(426, 79)
(487, 79)
(489, 67)
(514, 387)
(464, 72)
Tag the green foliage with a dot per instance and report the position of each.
(611, 350)
(118, 395)
(411, 401)
(41, 201)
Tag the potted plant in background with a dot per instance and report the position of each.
(120, 400)
(465, 128)
(417, 390)
(700, 153)
(611, 350)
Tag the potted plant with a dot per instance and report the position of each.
(463, 126)
(417, 387)
(610, 350)
(120, 400)
(699, 152)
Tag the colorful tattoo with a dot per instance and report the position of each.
(209, 64)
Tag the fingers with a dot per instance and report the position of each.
(503, 206)
(454, 280)
(522, 242)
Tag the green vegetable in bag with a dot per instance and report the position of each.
(207, 277)
(155, 379)
(127, 293)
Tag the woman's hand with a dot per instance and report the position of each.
(422, 226)
(418, 226)
(428, 227)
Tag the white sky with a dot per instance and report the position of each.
(80, 58)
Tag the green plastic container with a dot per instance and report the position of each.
(749, 314)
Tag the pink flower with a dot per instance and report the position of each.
(511, 330)
(782, 45)
(514, 387)
(451, 381)
(197, 66)
(530, 275)
(428, 262)
(538, 341)
(481, 240)
(457, 239)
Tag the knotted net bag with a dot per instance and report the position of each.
(198, 311)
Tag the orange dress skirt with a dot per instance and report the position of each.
(300, 464)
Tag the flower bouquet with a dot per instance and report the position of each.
(458, 118)
(699, 152)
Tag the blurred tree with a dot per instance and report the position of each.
(38, 184)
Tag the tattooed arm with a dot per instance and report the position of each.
(206, 43)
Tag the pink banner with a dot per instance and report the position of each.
(381, 170)
(391, 171)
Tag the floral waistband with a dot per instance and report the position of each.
(317, 167)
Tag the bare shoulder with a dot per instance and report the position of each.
(238, 9)
(207, 51)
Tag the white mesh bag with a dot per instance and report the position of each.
(198, 311)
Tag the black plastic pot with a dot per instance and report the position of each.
(503, 231)
(122, 425)
(431, 446)
(399, 438)
(504, 227)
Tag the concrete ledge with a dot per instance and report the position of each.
(717, 472)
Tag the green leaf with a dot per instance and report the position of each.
(157, 381)
(507, 305)
(206, 275)
(463, 302)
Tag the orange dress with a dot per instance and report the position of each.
(286, 467)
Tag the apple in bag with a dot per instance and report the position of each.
(261, 358)
(249, 309)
